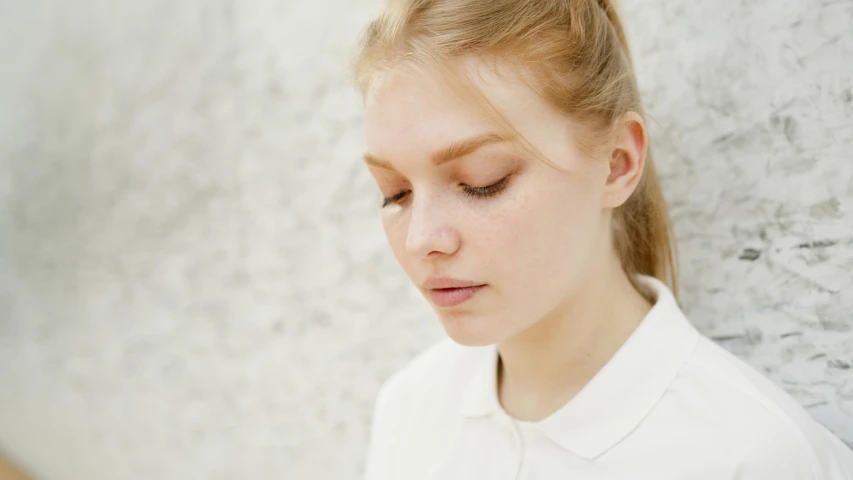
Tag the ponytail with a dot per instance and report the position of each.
(642, 229)
(643, 234)
(609, 8)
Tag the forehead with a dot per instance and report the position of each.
(408, 114)
(410, 108)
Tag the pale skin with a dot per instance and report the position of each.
(555, 298)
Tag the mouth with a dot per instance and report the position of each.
(451, 297)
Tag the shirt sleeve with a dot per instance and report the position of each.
(835, 459)
(781, 457)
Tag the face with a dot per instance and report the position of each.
(495, 239)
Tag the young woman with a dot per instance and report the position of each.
(508, 141)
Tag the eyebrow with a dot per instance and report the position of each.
(449, 153)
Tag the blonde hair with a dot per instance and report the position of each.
(573, 53)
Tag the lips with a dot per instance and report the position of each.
(451, 297)
(450, 292)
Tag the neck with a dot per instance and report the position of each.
(545, 366)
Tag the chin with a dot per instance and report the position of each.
(470, 330)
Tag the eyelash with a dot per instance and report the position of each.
(474, 192)
(487, 191)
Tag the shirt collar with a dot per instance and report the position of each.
(620, 395)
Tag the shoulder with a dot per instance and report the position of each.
(434, 376)
(416, 405)
(765, 431)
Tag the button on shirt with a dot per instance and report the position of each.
(670, 404)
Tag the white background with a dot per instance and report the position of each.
(193, 280)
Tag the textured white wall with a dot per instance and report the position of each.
(193, 280)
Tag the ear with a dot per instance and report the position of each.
(627, 159)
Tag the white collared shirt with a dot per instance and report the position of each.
(670, 404)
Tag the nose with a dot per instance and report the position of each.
(431, 231)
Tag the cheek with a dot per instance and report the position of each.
(396, 228)
(541, 243)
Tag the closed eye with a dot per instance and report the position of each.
(394, 198)
(488, 190)
(469, 190)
